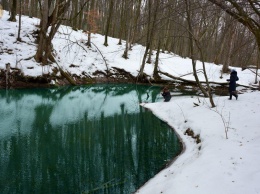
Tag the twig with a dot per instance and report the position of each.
(185, 121)
(226, 124)
(102, 56)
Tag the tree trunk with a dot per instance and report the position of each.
(27, 7)
(122, 22)
(5, 4)
(135, 22)
(125, 55)
(33, 8)
(149, 59)
(39, 56)
(155, 70)
(110, 13)
(166, 39)
(150, 32)
(44, 51)
(74, 18)
(191, 44)
(141, 72)
(257, 67)
(91, 21)
(13, 11)
(226, 65)
(20, 19)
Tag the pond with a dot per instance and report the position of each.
(84, 139)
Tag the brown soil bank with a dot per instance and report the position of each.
(16, 79)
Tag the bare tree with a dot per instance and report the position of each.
(192, 39)
(247, 12)
(153, 8)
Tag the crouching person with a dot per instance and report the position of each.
(166, 94)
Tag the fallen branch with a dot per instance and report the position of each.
(198, 71)
(177, 78)
(102, 56)
(254, 72)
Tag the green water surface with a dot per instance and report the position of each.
(85, 139)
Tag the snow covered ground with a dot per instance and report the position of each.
(216, 165)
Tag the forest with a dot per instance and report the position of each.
(220, 31)
(223, 32)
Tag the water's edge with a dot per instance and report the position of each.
(183, 149)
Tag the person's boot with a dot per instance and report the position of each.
(230, 97)
(236, 96)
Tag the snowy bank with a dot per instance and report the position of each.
(216, 165)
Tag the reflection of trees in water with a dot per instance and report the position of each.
(59, 93)
(114, 154)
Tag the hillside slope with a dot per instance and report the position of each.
(90, 64)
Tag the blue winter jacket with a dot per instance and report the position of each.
(232, 81)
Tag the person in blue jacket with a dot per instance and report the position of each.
(232, 84)
(166, 94)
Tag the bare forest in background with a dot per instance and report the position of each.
(218, 36)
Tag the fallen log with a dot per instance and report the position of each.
(203, 82)
(66, 75)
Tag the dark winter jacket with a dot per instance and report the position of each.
(167, 95)
(232, 81)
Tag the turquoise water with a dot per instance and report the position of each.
(87, 139)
